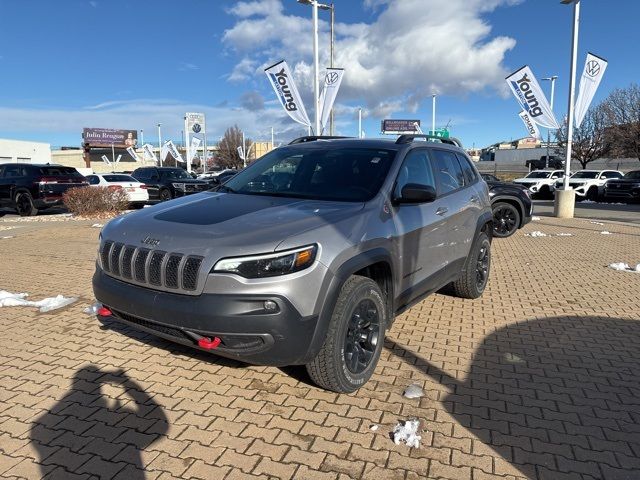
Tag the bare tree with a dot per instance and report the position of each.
(622, 108)
(228, 156)
(590, 139)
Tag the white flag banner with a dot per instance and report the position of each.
(592, 74)
(531, 127)
(527, 91)
(332, 81)
(147, 151)
(118, 159)
(195, 143)
(171, 148)
(164, 151)
(282, 82)
(133, 153)
(105, 159)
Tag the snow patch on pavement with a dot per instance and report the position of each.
(97, 225)
(606, 232)
(596, 223)
(7, 237)
(535, 219)
(407, 433)
(8, 299)
(538, 233)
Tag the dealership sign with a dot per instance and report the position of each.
(105, 137)
(195, 122)
(399, 127)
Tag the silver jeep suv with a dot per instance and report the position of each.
(306, 256)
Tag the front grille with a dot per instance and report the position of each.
(153, 268)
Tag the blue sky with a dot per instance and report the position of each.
(65, 65)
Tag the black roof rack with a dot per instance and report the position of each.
(313, 138)
(409, 137)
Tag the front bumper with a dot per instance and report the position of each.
(248, 332)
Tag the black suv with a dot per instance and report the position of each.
(165, 183)
(29, 188)
(625, 188)
(511, 204)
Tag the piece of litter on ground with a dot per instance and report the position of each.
(407, 433)
(597, 223)
(535, 218)
(536, 233)
(97, 225)
(625, 267)
(374, 427)
(8, 299)
(606, 232)
(92, 310)
(512, 358)
(7, 237)
(413, 391)
(564, 234)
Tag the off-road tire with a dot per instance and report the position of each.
(545, 192)
(329, 369)
(592, 194)
(165, 195)
(24, 205)
(468, 286)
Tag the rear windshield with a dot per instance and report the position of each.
(119, 178)
(59, 172)
(635, 175)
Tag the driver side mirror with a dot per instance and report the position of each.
(416, 193)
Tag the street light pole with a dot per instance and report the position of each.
(160, 144)
(316, 85)
(141, 137)
(331, 63)
(360, 122)
(433, 114)
(552, 79)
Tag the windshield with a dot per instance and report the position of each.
(119, 178)
(635, 175)
(177, 174)
(539, 175)
(584, 174)
(345, 174)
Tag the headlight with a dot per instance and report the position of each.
(269, 265)
(178, 186)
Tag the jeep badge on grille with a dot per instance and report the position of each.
(154, 242)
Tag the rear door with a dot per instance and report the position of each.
(422, 240)
(151, 178)
(11, 177)
(5, 192)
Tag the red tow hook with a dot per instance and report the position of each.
(208, 343)
(104, 312)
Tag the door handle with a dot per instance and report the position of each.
(442, 210)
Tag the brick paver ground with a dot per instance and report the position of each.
(540, 378)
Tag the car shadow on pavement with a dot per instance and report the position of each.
(554, 396)
(100, 427)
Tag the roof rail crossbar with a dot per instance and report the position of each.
(409, 137)
(313, 138)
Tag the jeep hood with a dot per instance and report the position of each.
(217, 225)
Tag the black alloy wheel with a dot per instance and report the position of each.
(482, 267)
(362, 336)
(506, 220)
(165, 195)
(24, 205)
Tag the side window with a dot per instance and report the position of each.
(93, 180)
(13, 171)
(467, 170)
(448, 171)
(416, 168)
(142, 174)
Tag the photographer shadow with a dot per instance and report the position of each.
(554, 396)
(100, 427)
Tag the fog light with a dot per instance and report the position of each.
(270, 306)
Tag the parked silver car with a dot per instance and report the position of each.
(306, 256)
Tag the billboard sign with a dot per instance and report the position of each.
(399, 127)
(105, 137)
(195, 122)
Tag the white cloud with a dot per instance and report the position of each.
(145, 114)
(93, 3)
(188, 66)
(412, 49)
(243, 70)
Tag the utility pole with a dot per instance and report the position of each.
(433, 114)
(160, 144)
